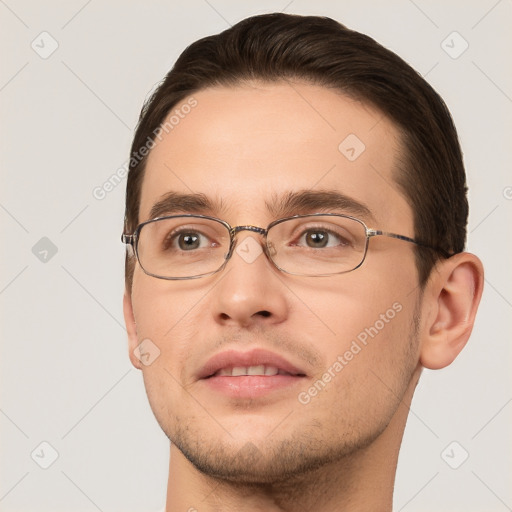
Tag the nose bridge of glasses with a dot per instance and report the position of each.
(255, 229)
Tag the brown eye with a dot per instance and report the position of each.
(320, 238)
(317, 238)
(188, 241)
(185, 241)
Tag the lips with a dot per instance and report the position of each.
(257, 362)
(239, 371)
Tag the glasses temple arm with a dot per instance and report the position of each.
(376, 232)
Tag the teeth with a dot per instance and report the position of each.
(261, 369)
(239, 370)
(256, 370)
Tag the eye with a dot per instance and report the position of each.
(186, 240)
(319, 238)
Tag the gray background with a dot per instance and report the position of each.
(67, 122)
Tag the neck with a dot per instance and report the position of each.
(362, 481)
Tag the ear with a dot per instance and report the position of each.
(453, 292)
(131, 329)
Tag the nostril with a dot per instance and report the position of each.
(264, 313)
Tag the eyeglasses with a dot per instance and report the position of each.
(192, 246)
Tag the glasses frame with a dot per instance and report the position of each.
(133, 241)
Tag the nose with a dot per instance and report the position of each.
(250, 292)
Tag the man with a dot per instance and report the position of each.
(295, 218)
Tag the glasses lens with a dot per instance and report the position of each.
(317, 245)
(180, 247)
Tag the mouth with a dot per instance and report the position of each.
(261, 370)
(249, 374)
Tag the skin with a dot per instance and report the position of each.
(244, 145)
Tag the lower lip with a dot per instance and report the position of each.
(250, 386)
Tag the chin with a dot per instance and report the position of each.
(265, 460)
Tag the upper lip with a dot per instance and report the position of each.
(255, 357)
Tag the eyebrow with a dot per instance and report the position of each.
(289, 204)
(175, 202)
(321, 201)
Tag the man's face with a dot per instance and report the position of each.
(246, 147)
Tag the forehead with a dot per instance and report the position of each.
(245, 146)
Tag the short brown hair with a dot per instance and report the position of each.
(321, 51)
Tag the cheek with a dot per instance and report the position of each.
(368, 369)
(167, 315)
(358, 305)
(163, 309)
(368, 344)
(370, 334)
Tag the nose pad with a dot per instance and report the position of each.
(231, 248)
(270, 249)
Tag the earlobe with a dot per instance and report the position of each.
(454, 290)
(131, 329)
